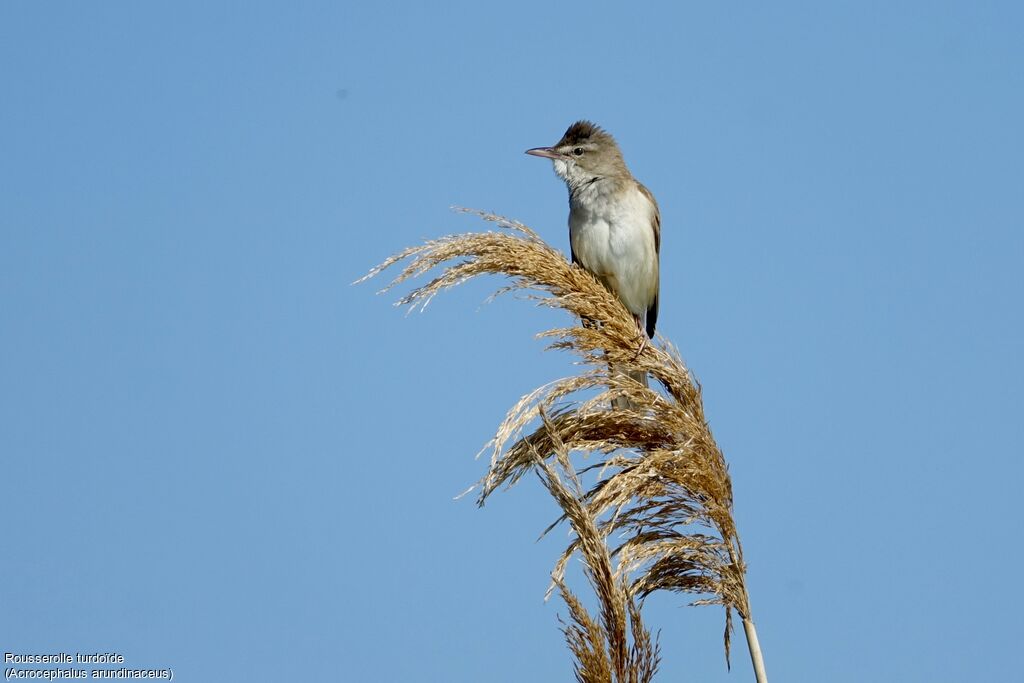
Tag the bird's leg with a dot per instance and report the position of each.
(643, 335)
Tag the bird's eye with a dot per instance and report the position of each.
(578, 152)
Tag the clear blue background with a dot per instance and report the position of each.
(219, 456)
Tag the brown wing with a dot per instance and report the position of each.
(652, 310)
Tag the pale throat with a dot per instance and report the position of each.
(574, 176)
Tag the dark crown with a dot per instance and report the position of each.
(582, 131)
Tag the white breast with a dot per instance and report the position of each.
(612, 236)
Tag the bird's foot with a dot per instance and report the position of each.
(642, 334)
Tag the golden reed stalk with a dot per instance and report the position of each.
(661, 485)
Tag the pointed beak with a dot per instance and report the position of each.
(546, 152)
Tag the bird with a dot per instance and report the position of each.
(614, 223)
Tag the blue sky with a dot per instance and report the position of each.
(221, 457)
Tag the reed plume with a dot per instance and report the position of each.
(659, 513)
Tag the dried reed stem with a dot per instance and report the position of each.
(661, 485)
(755, 650)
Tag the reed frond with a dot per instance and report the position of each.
(661, 484)
(617, 647)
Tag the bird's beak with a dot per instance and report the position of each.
(546, 152)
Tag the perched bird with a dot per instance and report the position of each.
(614, 222)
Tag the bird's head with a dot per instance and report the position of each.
(585, 153)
